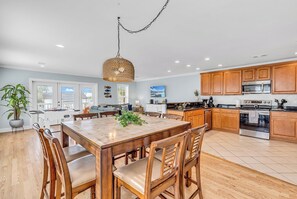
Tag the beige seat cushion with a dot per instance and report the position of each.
(73, 152)
(82, 170)
(134, 174)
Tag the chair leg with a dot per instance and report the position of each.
(198, 180)
(188, 177)
(117, 189)
(44, 180)
(93, 192)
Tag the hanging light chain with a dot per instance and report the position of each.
(137, 31)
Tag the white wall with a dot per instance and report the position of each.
(180, 89)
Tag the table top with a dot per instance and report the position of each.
(105, 132)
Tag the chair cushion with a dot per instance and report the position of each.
(73, 152)
(82, 170)
(134, 174)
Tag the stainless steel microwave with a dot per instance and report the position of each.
(256, 87)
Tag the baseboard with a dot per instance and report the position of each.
(8, 130)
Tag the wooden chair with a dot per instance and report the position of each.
(109, 113)
(75, 176)
(153, 114)
(193, 159)
(173, 116)
(85, 116)
(148, 178)
(49, 177)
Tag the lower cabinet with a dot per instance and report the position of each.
(225, 120)
(283, 126)
(159, 108)
(196, 117)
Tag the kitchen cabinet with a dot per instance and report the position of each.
(158, 108)
(205, 84)
(217, 83)
(256, 73)
(225, 120)
(208, 118)
(283, 126)
(196, 117)
(232, 82)
(284, 78)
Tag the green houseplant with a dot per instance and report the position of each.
(16, 98)
(128, 117)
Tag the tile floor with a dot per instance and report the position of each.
(274, 158)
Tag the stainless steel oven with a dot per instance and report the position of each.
(256, 87)
(255, 118)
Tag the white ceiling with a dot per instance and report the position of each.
(230, 32)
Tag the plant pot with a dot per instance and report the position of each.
(16, 123)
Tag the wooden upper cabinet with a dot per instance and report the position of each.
(263, 73)
(248, 74)
(205, 84)
(284, 78)
(232, 82)
(217, 83)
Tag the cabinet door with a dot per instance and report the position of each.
(216, 119)
(207, 118)
(263, 73)
(283, 128)
(205, 84)
(232, 82)
(230, 121)
(284, 78)
(217, 82)
(248, 74)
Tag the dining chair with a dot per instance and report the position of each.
(71, 153)
(192, 158)
(148, 178)
(173, 116)
(109, 113)
(85, 116)
(75, 176)
(153, 114)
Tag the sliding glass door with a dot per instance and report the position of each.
(44, 95)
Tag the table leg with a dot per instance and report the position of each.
(104, 172)
(64, 138)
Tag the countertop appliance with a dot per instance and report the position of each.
(210, 102)
(255, 118)
(256, 87)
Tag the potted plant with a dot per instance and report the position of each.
(128, 117)
(16, 98)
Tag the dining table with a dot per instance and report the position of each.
(105, 138)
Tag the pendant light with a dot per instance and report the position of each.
(119, 69)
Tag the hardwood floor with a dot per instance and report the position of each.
(21, 173)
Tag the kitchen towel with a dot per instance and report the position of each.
(253, 117)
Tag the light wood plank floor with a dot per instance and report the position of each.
(21, 173)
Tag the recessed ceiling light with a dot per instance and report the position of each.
(255, 56)
(197, 68)
(206, 58)
(220, 65)
(41, 64)
(188, 65)
(177, 61)
(264, 55)
(60, 46)
(295, 53)
(169, 71)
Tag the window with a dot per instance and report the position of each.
(87, 96)
(45, 97)
(123, 93)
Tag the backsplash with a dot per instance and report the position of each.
(292, 99)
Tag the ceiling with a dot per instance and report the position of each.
(229, 32)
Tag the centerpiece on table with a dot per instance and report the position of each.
(128, 117)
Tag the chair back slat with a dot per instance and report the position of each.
(153, 114)
(44, 144)
(173, 116)
(109, 113)
(171, 165)
(85, 116)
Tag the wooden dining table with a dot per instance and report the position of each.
(106, 138)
